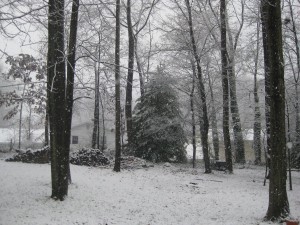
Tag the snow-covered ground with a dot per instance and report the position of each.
(160, 196)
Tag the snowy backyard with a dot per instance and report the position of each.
(176, 194)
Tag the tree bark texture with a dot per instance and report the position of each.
(234, 108)
(96, 127)
(140, 71)
(21, 118)
(225, 86)
(103, 142)
(128, 106)
(117, 166)
(57, 101)
(60, 94)
(46, 127)
(235, 115)
(29, 122)
(204, 124)
(257, 115)
(193, 115)
(214, 126)
(275, 98)
(296, 150)
(70, 80)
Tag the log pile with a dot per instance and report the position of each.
(31, 156)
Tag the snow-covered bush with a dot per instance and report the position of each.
(89, 157)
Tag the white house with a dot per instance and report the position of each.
(81, 136)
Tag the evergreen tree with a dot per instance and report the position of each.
(157, 131)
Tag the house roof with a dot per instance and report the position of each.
(90, 125)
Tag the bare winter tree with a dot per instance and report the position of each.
(257, 114)
(225, 85)
(234, 107)
(292, 54)
(60, 93)
(117, 166)
(204, 124)
(275, 102)
(131, 47)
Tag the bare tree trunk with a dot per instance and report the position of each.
(95, 139)
(296, 79)
(193, 115)
(257, 116)
(20, 119)
(225, 85)
(214, 126)
(235, 115)
(234, 108)
(267, 85)
(275, 95)
(139, 67)
(117, 166)
(60, 94)
(57, 101)
(70, 82)
(204, 125)
(46, 127)
(103, 122)
(29, 123)
(128, 105)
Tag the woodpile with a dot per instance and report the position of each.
(31, 156)
(89, 157)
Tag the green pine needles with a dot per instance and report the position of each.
(157, 131)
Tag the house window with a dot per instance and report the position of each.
(74, 140)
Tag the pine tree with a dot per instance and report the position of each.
(157, 131)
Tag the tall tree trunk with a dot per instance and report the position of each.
(29, 123)
(296, 79)
(274, 69)
(257, 115)
(57, 102)
(128, 105)
(225, 85)
(235, 115)
(193, 114)
(20, 119)
(214, 126)
(60, 94)
(204, 125)
(117, 166)
(234, 108)
(267, 82)
(103, 123)
(47, 141)
(95, 139)
(46, 126)
(139, 67)
(70, 82)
